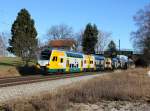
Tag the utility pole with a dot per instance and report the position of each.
(119, 46)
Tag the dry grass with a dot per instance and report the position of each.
(9, 72)
(8, 66)
(42, 102)
(131, 85)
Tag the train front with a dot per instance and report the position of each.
(43, 60)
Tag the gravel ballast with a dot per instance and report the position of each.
(110, 106)
(25, 90)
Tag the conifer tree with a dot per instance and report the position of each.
(89, 39)
(112, 48)
(23, 42)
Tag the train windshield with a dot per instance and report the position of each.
(45, 55)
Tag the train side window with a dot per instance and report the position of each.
(61, 60)
(84, 61)
(102, 62)
(77, 65)
(54, 58)
(70, 65)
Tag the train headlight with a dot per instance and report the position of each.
(37, 66)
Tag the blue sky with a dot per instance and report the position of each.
(115, 16)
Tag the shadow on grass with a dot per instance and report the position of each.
(28, 70)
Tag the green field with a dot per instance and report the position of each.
(6, 62)
(13, 66)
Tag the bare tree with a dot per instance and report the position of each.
(141, 37)
(61, 31)
(103, 40)
(78, 38)
(2, 45)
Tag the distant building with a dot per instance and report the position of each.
(65, 44)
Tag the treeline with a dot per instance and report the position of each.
(24, 41)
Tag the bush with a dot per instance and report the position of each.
(141, 62)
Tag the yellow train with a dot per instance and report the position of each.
(53, 61)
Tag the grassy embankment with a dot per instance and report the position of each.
(11, 66)
(132, 85)
(8, 66)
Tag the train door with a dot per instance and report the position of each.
(67, 66)
(88, 62)
(81, 65)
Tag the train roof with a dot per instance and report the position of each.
(114, 59)
(98, 57)
(74, 54)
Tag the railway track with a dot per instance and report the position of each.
(12, 81)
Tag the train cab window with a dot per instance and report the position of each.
(61, 60)
(45, 55)
(54, 58)
(70, 65)
(77, 65)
